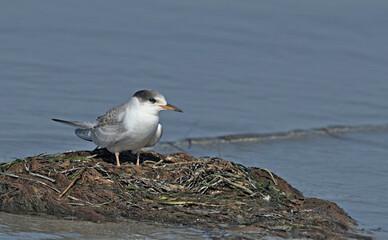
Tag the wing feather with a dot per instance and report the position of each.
(109, 126)
(158, 135)
(112, 116)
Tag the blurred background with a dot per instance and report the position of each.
(233, 67)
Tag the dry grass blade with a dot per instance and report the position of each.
(29, 179)
(42, 176)
(273, 179)
(77, 175)
(77, 199)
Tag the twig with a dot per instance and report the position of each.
(76, 204)
(273, 179)
(29, 179)
(27, 167)
(41, 154)
(149, 161)
(244, 189)
(181, 203)
(187, 162)
(77, 175)
(9, 164)
(77, 199)
(101, 204)
(73, 169)
(70, 170)
(158, 163)
(42, 176)
(98, 167)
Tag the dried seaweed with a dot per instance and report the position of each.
(172, 188)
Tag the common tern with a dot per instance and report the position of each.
(130, 126)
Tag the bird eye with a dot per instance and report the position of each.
(152, 100)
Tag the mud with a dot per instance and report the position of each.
(206, 193)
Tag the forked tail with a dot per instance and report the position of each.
(83, 131)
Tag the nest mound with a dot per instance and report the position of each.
(208, 193)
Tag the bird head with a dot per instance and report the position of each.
(153, 101)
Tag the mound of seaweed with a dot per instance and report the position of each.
(207, 193)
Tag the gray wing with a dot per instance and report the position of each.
(106, 135)
(113, 115)
(157, 137)
(109, 126)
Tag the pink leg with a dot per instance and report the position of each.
(138, 158)
(117, 159)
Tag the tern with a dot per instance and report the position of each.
(129, 126)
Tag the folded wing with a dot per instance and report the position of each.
(157, 137)
(109, 126)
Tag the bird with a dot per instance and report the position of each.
(129, 126)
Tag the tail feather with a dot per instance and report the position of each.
(76, 123)
(84, 134)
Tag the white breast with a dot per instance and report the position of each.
(139, 130)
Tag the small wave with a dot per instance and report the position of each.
(331, 131)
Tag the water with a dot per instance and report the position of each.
(28, 227)
(233, 67)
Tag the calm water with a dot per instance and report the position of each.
(232, 66)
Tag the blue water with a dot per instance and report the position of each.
(232, 66)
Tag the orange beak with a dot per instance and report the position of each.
(171, 107)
